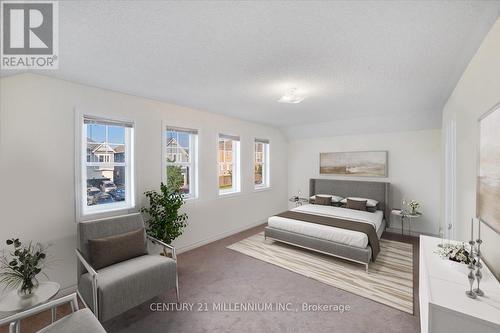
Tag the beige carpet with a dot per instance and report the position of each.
(389, 280)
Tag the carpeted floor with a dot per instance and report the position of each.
(389, 281)
(213, 274)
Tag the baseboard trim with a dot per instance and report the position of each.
(67, 290)
(217, 237)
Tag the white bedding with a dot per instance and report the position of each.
(339, 235)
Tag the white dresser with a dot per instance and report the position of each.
(444, 307)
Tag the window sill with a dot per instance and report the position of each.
(190, 200)
(229, 194)
(107, 213)
(262, 189)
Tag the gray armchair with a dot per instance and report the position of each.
(117, 288)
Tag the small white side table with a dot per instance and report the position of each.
(11, 303)
(399, 212)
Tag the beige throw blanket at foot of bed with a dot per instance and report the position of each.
(365, 228)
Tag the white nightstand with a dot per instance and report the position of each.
(399, 212)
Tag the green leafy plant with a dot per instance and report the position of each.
(22, 266)
(164, 221)
(175, 179)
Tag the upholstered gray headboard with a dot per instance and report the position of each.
(352, 188)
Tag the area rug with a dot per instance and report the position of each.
(389, 280)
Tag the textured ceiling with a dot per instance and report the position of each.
(351, 59)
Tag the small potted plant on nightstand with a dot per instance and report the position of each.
(414, 206)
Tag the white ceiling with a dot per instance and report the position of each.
(351, 59)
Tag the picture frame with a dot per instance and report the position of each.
(488, 169)
(355, 163)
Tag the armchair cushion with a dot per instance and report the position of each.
(129, 283)
(113, 249)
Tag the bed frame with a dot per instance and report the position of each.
(346, 188)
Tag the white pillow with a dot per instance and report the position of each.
(369, 202)
(335, 198)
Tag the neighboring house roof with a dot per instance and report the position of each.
(174, 144)
(103, 147)
(119, 149)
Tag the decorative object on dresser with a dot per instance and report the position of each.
(21, 268)
(456, 252)
(479, 265)
(357, 163)
(475, 264)
(443, 305)
(470, 293)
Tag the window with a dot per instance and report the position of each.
(229, 164)
(106, 168)
(180, 158)
(261, 165)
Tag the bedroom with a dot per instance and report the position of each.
(254, 108)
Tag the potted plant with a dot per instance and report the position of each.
(164, 221)
(414, 206)
(20, 269)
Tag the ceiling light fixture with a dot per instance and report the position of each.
(291, 97)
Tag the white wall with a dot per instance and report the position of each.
(414, 168)
(37, 196)
(386, 123)
(477, 92)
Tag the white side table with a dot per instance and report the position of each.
(11, 303)
(399, 212)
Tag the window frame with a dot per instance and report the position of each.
(84, 212)
(193, 170)
(266, 166)
(236, 165)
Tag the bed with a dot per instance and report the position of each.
(339, 242)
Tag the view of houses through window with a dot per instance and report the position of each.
(261, 167)
(228, 160)
(181, 160)
(107, 166)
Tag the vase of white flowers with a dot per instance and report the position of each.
(456, 252)
(414, 206)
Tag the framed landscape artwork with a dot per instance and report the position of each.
(488, 180)
(357, 163)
